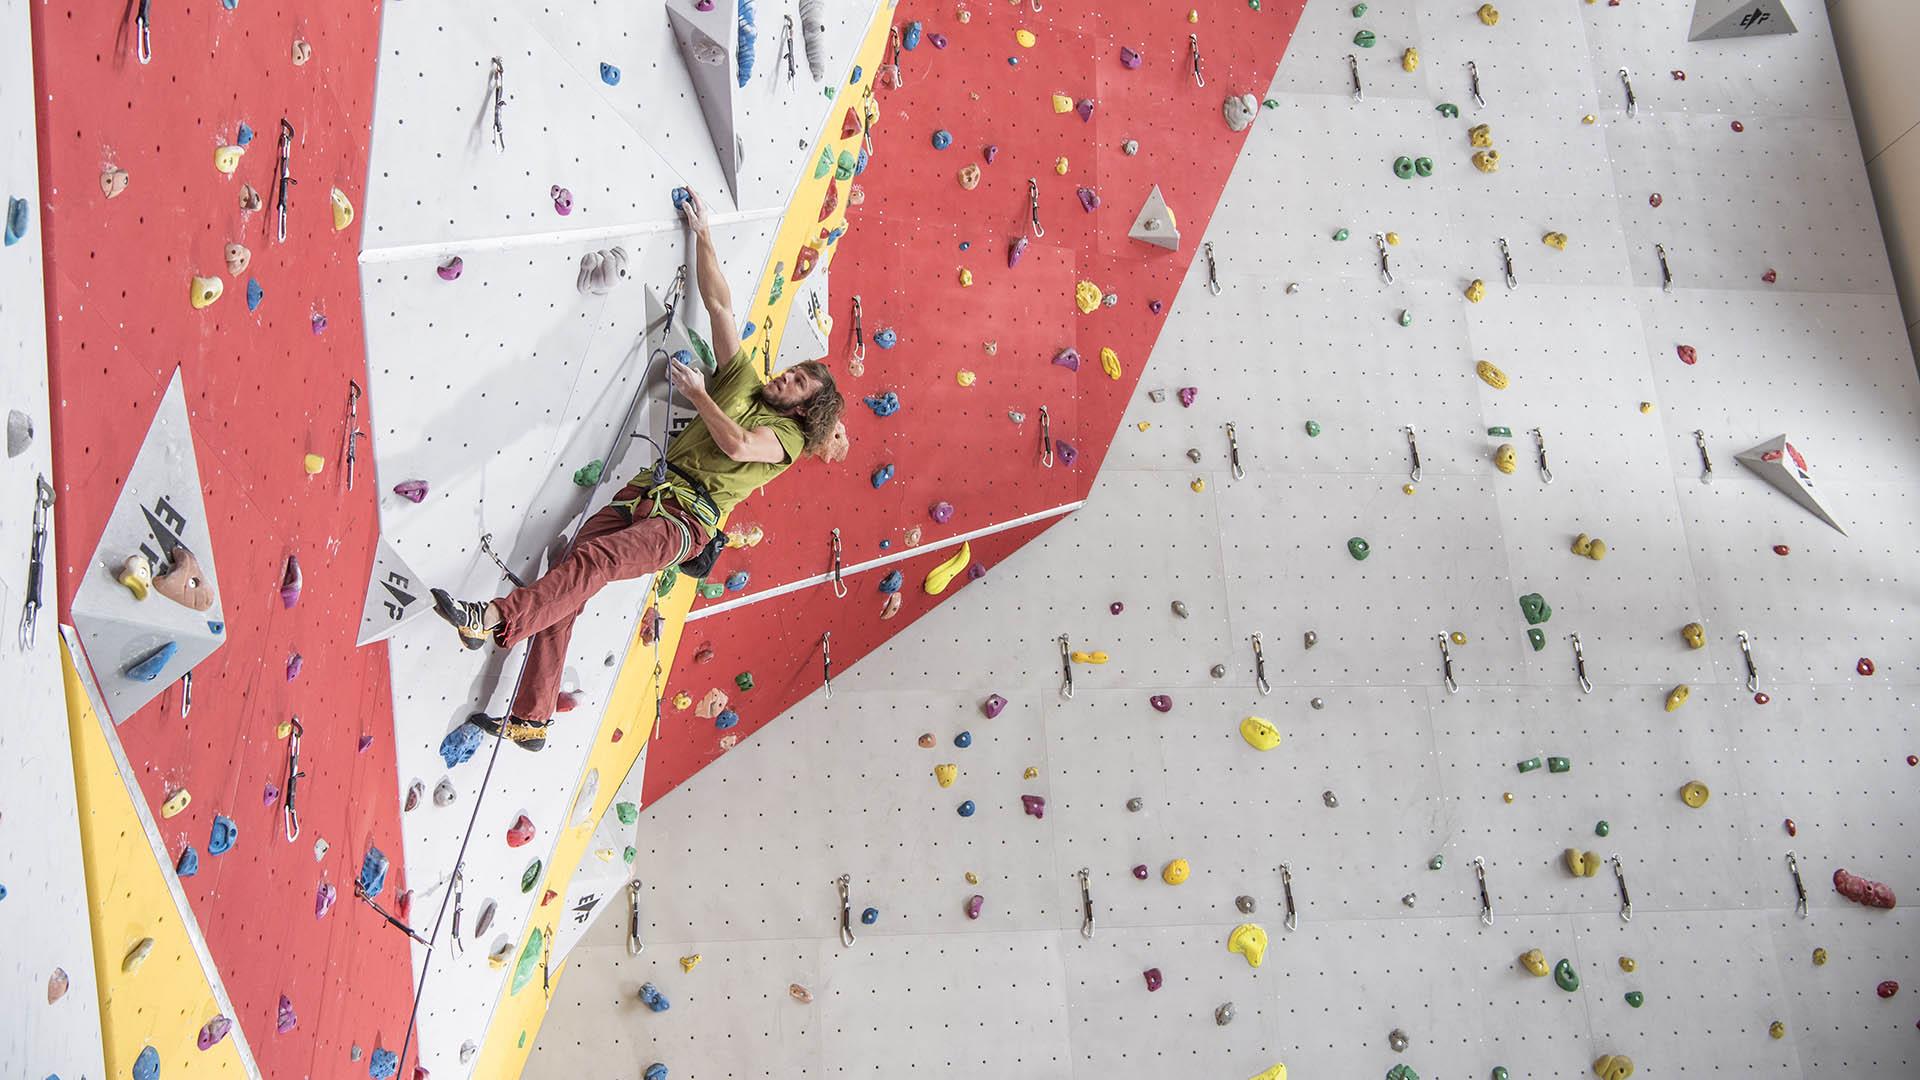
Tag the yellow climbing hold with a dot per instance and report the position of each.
(1410, 60)
(1582, 865)
(314, 464)
(176, 802)
(1613, 1067)
(1393, 239)
(1025, 38)
(1199, 485)
(1060, 165)
(963, 377)
(1458, 638)
(1694, 635)
(136, 956)
(966, 278)
(227, 158)
(1491, 375)
(1646, 407)
(1408, 489)
(342, 209)
(1489, 15)
(688, 963)
(1777, 1029)
(1695, 794)
(1175, 872)
(1030, 773)
(1278, 1072)
(1819, 957)
(1143, 425)
(1193, 15)
(1476, 291)
(1480, 135)
(1089, 657)
(1592, 547)
(1555, 240)
(1248, 940)
(1086, 297)
(1486, 160)
(1061, 102)
(941, 576)
(1259, 733)
(1506, 458)
(283, 729)
(973, 878)
(944, 775)
(203, 291)
(137, 575)
(682, 700)
(1534, 961)
(1589, 119)
(1110, 363)
(1678, 696)
(1629, 965)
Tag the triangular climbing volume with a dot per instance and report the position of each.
(707, 66)
(1717, 19)
(1155, 224)
(142, 635)
(1781, 465)
(393, 596)
(809, 326)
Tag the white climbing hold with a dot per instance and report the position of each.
(1240, 111)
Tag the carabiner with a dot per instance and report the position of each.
(1620, 879)
(1286, 888)
(839, 584)
(1580, 665)
(857, 364)
(1626, 80)
(846, 911)
(1353, 68)
(1033, 207)
(1086, 905)
(1706, 463)
(1046, 438)
(1233, 453)
(1540, 450)
(1414, 449)
(826, 661)
(1260, 665)
(1799, 887)
(1193, 46)
(1446, 666)
(1506, 260)
(1213, 269)
(1473, 84)
(1066, 667)
(1753, 671)
(1666, 272)
(1386, 267)
(1486, 901)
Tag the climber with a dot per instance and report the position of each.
(746, 434)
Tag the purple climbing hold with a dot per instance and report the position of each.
(452, 268)
(213, 1031)
(1161, 703)
(365, 744)
(562, 200)
(1187, 394)
(1129, 58)
(993, 706)
(1015, 250)
(941, 512)
(1156, 306)
(290, 582)
(317, 323)
(269, 794)
(460, 744)
(703, 5)
(411, 490)
(294, 664)
(1085, 109)
(1034, 804)
(1068, 358)
(990, 151)
(976, 571)
(974, 904)
(1089, 199)
(1067, 454)
(938, 41)
(1140, 871)
(286, 1020)
(882, 474)
(1116, 608)
(323, 898)
(1153, 978)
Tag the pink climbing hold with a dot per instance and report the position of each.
(1161, 703)
(521, 832)
(1085, 109)
(1116, 608)
(993, 706)
(285, 1021)
(451, 269)
(269, 795)
(323, 898)
(1015, 251)
(1068, 358)
(941, 512)
(1153, 978)
(1089, 199)
(1187, 395)
(566, 701)
(562, 200)
(411, 490)
(1129, 58)
(213, 1031)
(1861, 891)
(974, 904)
(294, 664)
(1140, 871)
(1034, 804)
(976, 571)
(1687, 355)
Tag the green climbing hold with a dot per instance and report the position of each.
(1565, 977)
(1559, 764)
(1313, 429)
(744, 680)
(626, 812)
(1402, 1072)
(529, 959)
(1601, 828)
(712, 590)
(630, 854)
(1436, 862)
(665, 581)
(1359, 10)
(1500, 432)
(1535, 608)
(1403, 167)
(706, 365)
(1359, 548)
(530, 877)
(1499, 1072)
(1449, 110)
(1537, 638)
(523, 1031)
(825, 164)
(1364, 39)
(589, 474)
(1423, 166)
(1406, 317)
(1341, 234)
(1636, 999)
(1530, 764)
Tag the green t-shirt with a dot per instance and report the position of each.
(728, 481)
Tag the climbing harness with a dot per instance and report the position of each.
(1540, 451)
(1473, 84)
(36, 562)
(486, 548)
(1033, 207)
(1193, 47)
(839, 585)
(857, 361)
(846, 911)
(1386, 267)
(1706, 463)
(498, 79)
(826, 662)
(786, 46)
(1626, 80)
(1260, 665)
(1799, 887)
(354, 434)
(1213, 270)
(1292, 921)
(459, 888)
(1486, 902)
(1413, 448)
(1666, 272)
(634, 945)
(1506, 260)
(1233, 453)
(1086, 904)
(289, 812)
(1620, 879)
(1580, 665)
(284, 182)
(1046, 438)
(143, 23)
(1746, 653)
(1066, 667)
(1353, 69)
(1446, 666)
(891, 71)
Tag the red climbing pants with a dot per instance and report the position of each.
(611, 547)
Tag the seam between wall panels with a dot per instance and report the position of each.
(522, 241)
(887, 560)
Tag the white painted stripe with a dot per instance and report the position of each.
(567, 237)
(884, 560)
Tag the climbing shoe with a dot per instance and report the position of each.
(467, 616)
(526, 734)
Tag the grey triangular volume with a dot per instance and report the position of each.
(667, 337)
(808, 324)
(1155, 224)
(1779, 464)
(1714, 20)
(707, 66)
(161, 517)
(395, 595)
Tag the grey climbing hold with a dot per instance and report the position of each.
(1154, 224)
(1179, 609)
(1318, 703)
(1312, 639)
(1398, 1040)
(1245, 904)
(1136, 804)
(1193, 454)
(1223, 1015)
(1218, 671)
(443, 792)
(1240, 111)
(19, 432)
(1156, 396)
(1330, 799)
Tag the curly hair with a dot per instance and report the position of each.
(821, 412)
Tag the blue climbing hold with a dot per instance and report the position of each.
(373, 873)
(966, 245)
(870, 916)
(885, 545)
(892, 582)
(942, 139)
(148, 667)
(884, 404)
(747, 331)
(609, 74)
(966, 808)
(655, 1071)
(963, 740)
(1013, 61)
(383, 1065)
(681, 196)
(188, 863)
(834, 236)
(229, 4)
(255, 294)
(911, 39)
(460, 744)
(727, 718)
(652, 998)
(854, 79)
(147, 1065)
(3, 892)
(736, 581)
(886, 338)
(16, 227)
(244, 137)
(880, 476)
(225, 832)
(860, 163)
(744, 54)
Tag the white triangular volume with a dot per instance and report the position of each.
(664, 338)
(809, 329)
(1155, 224)
(1717, 19)
(394, 595)
(708, 66)
(161, 517)
(1780, 464)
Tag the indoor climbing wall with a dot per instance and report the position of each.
(540, 193)
(47, 989)
(1439, 795)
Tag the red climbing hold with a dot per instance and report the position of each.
(1861, 891)
(1140, 871)
(1792, 829)
(1739, 127)
(521, 832)
(1782, 549)
(1761, 698)
(1654, 200)
(1153, 978)
(1770, 276)
(1887, 989)
(850, 124)
(1679, 76)
(1913, 759)
(1687, 355)
(1864, 667)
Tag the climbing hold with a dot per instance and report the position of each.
(1579, 865)
(942, 575)
(993, 706)
(1476, 291)
(1060, 165)
(1410, 59)
(1310, 638)
(1565, 977)
(1086, 297)
(137, 575)
(1535, 609)
(1406, 317)
(1448, 110)
(1491, 375)
(189, 862)
(1068, 358)
(650, 995)
(1240, 111)
(1161, 703)
(1034, 805)
(520, 833)
(1678, 696)
(1359, 548)
(1613, 1067)
(1782, 549)
(1695, 635)
(942, 139)
(1887, 988)
(1175, 872)
(1248, 940)
(1529, 764)
(203, 291)
(1152, 975)
(1110, 363)
(1694, 794)
(1555, 240)
(1489, 15)
(1015, 251)
(1559, 765)
(1819, 957)
(963, 740)
(1777, 1029)
(227, 158)
(944, 775)
(1313, 429)
(1535, 962)
(1397, 1041)
(1506, 458)
(290, 582)
(966, 808)
(1480, 135)
(1259, 733)
(1486, 160)
(149, 666)
(1601, 828)
(1861, 891)
(1403, 167)
(1364, 39)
